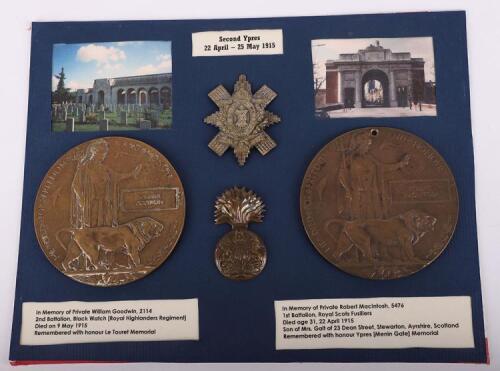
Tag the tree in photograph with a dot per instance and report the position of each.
(61, 94)
(318, 79)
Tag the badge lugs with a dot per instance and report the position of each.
(242, 119)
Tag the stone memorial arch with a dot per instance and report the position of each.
(375, 77)
(155, 89)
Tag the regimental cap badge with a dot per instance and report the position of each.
(241, 119)
(240, 254)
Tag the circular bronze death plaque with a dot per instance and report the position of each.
(379, 203)
(109, 211)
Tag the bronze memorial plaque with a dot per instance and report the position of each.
(240, 254)
(109, 211)
(379, 203)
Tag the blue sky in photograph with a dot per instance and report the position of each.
(83, 63)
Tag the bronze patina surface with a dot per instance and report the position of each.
(109, 211)
(379, 203)
(240, 254)
(242, 119)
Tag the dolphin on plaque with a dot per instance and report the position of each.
(241, 119)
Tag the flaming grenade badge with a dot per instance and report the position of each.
(240, 254)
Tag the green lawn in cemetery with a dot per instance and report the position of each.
(114, 122)
(61, 126)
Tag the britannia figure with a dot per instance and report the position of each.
(94, 192)
(362, 193)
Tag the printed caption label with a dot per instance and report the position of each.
(243, 42)
(429, 322)
(98, 322)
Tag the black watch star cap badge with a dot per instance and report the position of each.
(241, 119)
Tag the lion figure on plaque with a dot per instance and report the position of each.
(92, 244)
(391, 238)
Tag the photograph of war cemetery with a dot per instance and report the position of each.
(391, 77)
(112, 86)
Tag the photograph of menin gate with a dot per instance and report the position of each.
(391, 77)
(112, 86)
